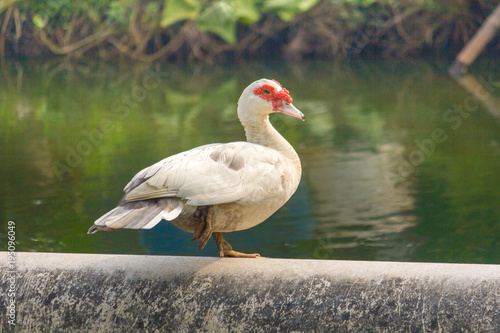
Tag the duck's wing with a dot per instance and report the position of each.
(208, 175)
(212, 174)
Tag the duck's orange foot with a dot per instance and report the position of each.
(225, 249)
(236, 254)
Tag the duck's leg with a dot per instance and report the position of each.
(203, 230)
(225, 249)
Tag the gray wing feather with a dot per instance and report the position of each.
(143, 214)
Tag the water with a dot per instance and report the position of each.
(400, 162)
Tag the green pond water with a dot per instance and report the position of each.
(400, 161)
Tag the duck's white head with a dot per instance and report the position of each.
(263, 97)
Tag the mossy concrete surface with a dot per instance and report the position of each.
(123, 293)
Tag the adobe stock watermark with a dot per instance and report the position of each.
(11, 274)
(323, 250)
(453, 117)
(120, 109)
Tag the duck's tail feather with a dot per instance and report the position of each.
(143, 214)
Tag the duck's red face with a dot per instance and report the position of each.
(280, 99)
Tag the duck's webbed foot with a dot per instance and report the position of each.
(203, 230)
(225, 249)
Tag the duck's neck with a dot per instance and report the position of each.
(261, 132)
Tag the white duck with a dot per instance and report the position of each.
(220, 187)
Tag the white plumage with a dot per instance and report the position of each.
(242, 182)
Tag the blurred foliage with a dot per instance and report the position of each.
(219, 17)
(207, 30)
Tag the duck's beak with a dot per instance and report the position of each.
(289, 109)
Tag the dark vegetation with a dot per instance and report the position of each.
(209, 31)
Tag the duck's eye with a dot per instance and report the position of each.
(266, 92)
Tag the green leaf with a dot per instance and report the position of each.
(118, 12)
(365, 3)
(6, 3)
(287, 9)
(179, 10)
(304, 6)
(39, 22)
(245, 11)
(220, 19)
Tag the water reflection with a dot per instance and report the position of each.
(354, 202)
(72, 135)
